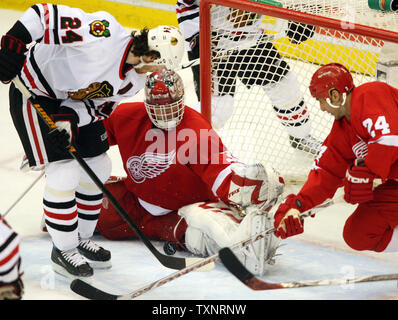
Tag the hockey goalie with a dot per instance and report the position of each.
(202, 201)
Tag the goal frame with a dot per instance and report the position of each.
(277, 12)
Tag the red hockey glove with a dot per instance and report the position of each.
(287, 220)
(358, 185)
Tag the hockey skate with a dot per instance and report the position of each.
(70, 263)
(306, 144)
(97, 257)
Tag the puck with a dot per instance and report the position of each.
(170, 248)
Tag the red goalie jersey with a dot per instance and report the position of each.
(169, 169)
(370, 134)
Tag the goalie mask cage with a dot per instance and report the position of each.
(255, 113)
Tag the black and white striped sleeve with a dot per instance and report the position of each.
(41, 20)
(9, 253)
(188, 19)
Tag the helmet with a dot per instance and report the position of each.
(331, 76)
(164, 99)
(169, 42)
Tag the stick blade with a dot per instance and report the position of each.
(232, 263)
(88, 291)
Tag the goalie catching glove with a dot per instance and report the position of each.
(253, 185)
(213, 225)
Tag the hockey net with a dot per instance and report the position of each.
(266, 114)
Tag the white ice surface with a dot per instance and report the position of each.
(317, 254)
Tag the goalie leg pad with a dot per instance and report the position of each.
(257, 256)
(211, 226)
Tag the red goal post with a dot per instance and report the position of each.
(334, 37)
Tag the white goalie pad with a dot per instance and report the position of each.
(214, 225)
(254, 185)
(257, 256)
(210, 226)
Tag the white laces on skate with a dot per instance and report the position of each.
(89, 245)
(74, 257)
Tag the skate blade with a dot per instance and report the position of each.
(63, 272)
(99, 264)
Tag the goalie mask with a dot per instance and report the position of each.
(164, 99)
(169, 42)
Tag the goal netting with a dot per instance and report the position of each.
(256, 64)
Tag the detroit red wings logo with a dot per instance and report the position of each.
(149, 165)
(360, 149)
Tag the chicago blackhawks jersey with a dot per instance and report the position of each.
(188, 21)
(80, 58)
(169, 169)
(9, 253)
(228, 30)
(370, 134)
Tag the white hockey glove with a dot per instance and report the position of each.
(254, 185)
(214, 225)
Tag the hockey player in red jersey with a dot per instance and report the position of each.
(80, 67)
(11, 285)
(182, 184)
(361, 147)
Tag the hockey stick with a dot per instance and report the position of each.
(232, 263)
(89, 291)
(23, 194)
(167, 261)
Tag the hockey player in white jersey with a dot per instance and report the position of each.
(254, 61)
(80, 67)
(11, 285)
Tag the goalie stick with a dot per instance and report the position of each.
(167, 261)
(90, 292)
